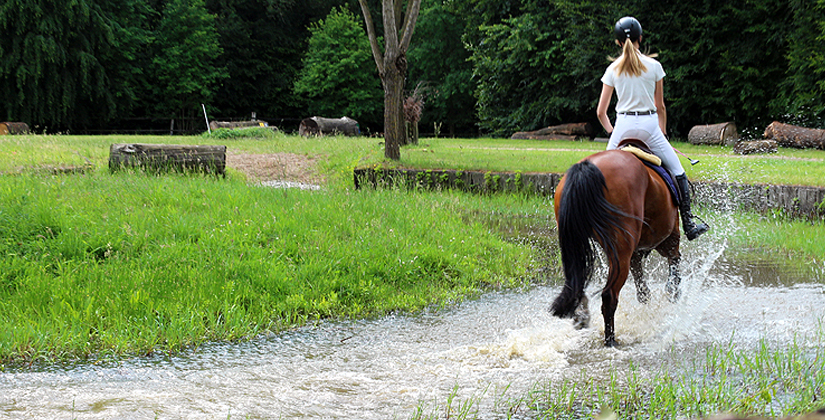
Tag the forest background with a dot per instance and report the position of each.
(487, 67)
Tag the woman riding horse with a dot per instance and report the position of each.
(638, 80)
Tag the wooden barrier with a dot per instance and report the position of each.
(168, 157)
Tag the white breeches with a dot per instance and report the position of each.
(646, 128)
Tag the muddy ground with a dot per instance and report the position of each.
(275, 167)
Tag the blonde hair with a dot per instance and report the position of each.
(630, 61)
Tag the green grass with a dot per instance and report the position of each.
(716, 163)
(766, 381)
(759, 381)
(338, 155)
(99, 264)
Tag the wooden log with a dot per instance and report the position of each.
(756, 146)
(787, 135)
(523, 135)
(318, 126)
(570, 131)
(168, 157)
(14, 128)
(214, 125)
(722, 133)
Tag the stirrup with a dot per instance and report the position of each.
(696, 229)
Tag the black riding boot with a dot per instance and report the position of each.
(691, 228)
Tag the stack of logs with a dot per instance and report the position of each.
(776, 134)
(572, 131)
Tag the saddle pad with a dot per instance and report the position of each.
(641, 154)
(667, 177)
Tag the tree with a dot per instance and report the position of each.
(263, 43)
(541, 67)
(185, 50)
(392, 65)
(65, 65)
(338, 76)
(439, 61)
(804, 85)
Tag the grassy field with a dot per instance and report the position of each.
(97, 265)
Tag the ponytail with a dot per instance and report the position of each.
(630, 62)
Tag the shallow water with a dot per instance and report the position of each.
(497, 347)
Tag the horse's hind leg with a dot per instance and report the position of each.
(670, 250)
(581, 318)
(616, 278)
(637, 270)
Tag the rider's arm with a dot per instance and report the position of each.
(601, 110)
(659, 99)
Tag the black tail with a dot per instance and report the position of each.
(584, 214)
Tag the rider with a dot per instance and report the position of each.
(638, 82)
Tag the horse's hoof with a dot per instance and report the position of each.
(673, 293)
(610, 342)
(643, 297)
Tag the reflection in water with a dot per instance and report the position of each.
(498, 346)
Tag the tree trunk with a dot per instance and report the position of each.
(391, 62)
(557, 132)
(412, 132)
(320, 126)
(168, 157)
(787, 135)
(723, 133)
(214, 125)
(14, 128)
(394, 136)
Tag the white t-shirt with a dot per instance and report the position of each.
(635, 93)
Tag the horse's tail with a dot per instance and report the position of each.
(584, 214)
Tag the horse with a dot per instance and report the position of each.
(612, 198)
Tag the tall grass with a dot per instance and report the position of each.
(768, 380)
(764, 380)
(101, 264)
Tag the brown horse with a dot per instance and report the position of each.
(614, 199)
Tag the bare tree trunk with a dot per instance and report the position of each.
(392, 66)
(393, 117)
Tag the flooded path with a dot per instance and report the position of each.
(494, 348)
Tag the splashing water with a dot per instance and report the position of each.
(497, 347)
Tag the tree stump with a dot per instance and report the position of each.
(412, 131)
(570, 131)
(168, 157)
(787, 135)
(757, 146)
(723, 133)
(319, 126)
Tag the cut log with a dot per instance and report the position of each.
(214, 125)
(722, 133)
(168, 157)
(757, 146)
(787, 135)
(570, 131)
(13, 128)
(318, 126)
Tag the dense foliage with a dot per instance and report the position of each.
(338, 76)
(492, 66)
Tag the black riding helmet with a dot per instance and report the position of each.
(628, 27)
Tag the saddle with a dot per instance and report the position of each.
(641, 151)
